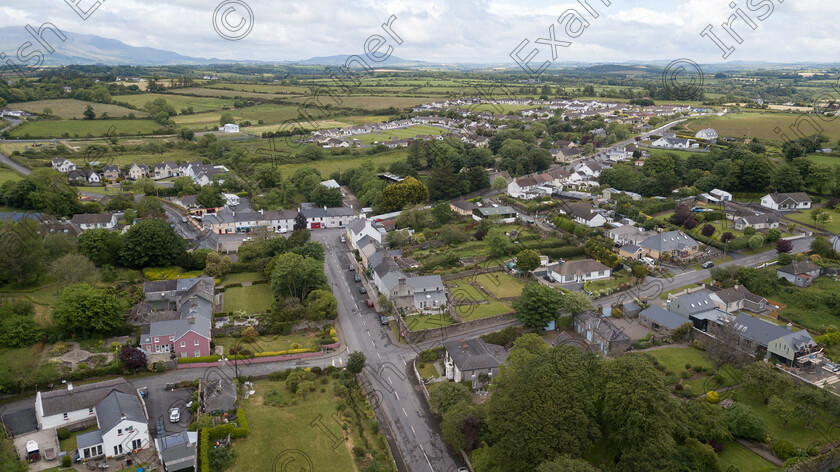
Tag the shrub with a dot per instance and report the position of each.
(358, 452)
(316, 370)
(687, 365)
(63, 433)
(66, 461)
(195, 360)
(160, 366)
(744, 423)
(785, 450)
(685, 374)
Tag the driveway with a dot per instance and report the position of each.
(20, 422)
(158, 404)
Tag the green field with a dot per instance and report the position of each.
(253, 299)
(403, 133)
(500, 285)
(484, 310)
(828, 159)
(199, 104)
(68, 108)
(7, 174)
(802, 311)
(762, 125)
(421, 322)
(805, 217)
(742, 458)
(84, 128)
(229, 94)
(368, 103)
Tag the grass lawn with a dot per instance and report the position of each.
(199, 104)
(762, 249)
(410, 132)
(253, 299)
(68, 445)
(169, 273)
(83, 128)
(68, 108)
(676, 358)
(102, 190)
(242, 277)
(719, 260)
(813, 316)
(462, 290)
(612, 282)
(830, 159)
(795, 432)
(805, 217)
(275, 428)
(427, 369)
(742, 458)
(267, 343)
(484, 310)
(501, 285)
(7, 174)
(421, 322)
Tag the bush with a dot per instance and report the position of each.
(785, 450)
(501, 338)
(66, 461)
(431, 355)
(358, 452)
(63, 433)
(195, 360)
(279, 375)
(160, 366)
(744, 423)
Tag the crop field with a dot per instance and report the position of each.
(402, 133)
(227, 94)
(69, 109)
(199, 104)
(369, 103)
(761, 125)
(84, 128)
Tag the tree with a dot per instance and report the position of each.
(720, 350)
(452, 235)
(538, 305)
(500, 183)
(83, 309)
(750, 231)
(216, 265)
(73, 269)
(321, 305)
(773, 235)
(356, 362)
(132, 358)
(151, 243)
(499, 242)
(445, 395)
(744, 423)
(756, 241)
(311, 249)
(462, 424)
(566, 464)
(527, 260)
(442, 213)
(294, 275)
(326, 197)
(822, 246)
(406, 193)
(226, 118)
(89, 114)
(300, 222)
(639, 272)
(781, 409)
(762, 378)
(20, 331)
(726, 237)
(784, 246)
(708, 230)
(22, 255)
(576, 303)
(210, 196)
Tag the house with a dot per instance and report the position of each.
(230, 128)
(425, 293)
(795, 348)
(578, 271)
(756, 220)
(361, 227)
(338, 217)
(74, 405)
(737, 298)
(84, 176)
(524, 186)
(166, 169)
(707, 134)
(138, 171)
(462, 207)
(800, 274)
(672, 243)
(63, 165)
(123, 427)
(786, 201)
(756, 335)
(628, 234)
(631, 251)
(601, 334)
(471, 359)
(111, 172)
(86, 221)
(189, 334)
(217, 394)
(583, 213)
(502, 213)
(671, 143)
(331, 184)
(721, 195)
(177, 451)
(698, 307)
(661, 320)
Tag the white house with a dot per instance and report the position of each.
(230, 128)
(63, 407)
(786, 201)
(707, 134)
(578, 271)
(63, 165)
(671, 143)
(583, 213)
(361, 227)
(122, 424)
(721, 195)
(86, 221)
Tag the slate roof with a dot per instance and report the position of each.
(83, 396)
(663, 317)
(424, 282)
(798, 197)
(463, 204)
(736, 294)
(670, 241)
(582, 210)
(799, 267)
(474, 354)
(696, 302)
(583, 266)
(111, 409)
(91, 438)
(219, 395)
(799, 340)
(92, 218)
(758, 331)
(603, 327)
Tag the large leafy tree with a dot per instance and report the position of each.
(527, 260)
(151, 243)
(445, 395)
(463, 424)
(538, 305)
(356, 362)
(20, 331)
(83, 309)
(406, 193)
(321, 305)
(566, 464)
(21, 252)
(295, 275)
(73, 269)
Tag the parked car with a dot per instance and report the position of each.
(708, 265)
(383, 319)
(362, 290)
(357, 278)
(369, 303)
(183, 219)
(343, 239)
(174, 415)
(548, 278)
(351, 268)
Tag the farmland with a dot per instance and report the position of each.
(84, 128)
(199, 104)
(70, 109)
(762, 125)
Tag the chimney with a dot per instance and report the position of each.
(70, 388)
(191, 319)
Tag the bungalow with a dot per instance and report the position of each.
(698, 307)
(122, 427)
(756, 220)
(502, 213)
(672, 143)
(578, 271)
(756, 335)
(661, 320)
(524, 187)
(628, 234)
(74, 405)
(63, 165)
(83, 175)
(786, 201)
(86, 221)
(737, 298)
(583, 213)
(470, 359)
(672, 243)
(138, 171)
(462, 207)
(800, 274)
(707, 134)
(601, 333)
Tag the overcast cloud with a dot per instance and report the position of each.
(454, 31)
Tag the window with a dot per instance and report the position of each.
(136, 444)
(129, 429)
(115, 450)
(157, 340)
(183, 353)
(195, 343)
(65, 416)
(99, 450)
(171, 338)
(90, 410)
(197, 353)
(183, 344)
(119, 432)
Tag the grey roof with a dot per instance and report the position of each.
(799, 340)
(631, 248)
(754, 219)
(696, 302)
(356, 226)
(83, 396)
(91, 438)
(670, 241)
(582, 210)
(92, 218)
(375, 259)
(473, 354)
(663, 317)
(314, 212)
(425, 282)
(799, 267)
(462, 204)
(604, 327)
(759, 331)
(340, 211)
(116, 406)
(736, 294)
(387, 266)
(219, 394)
(584, 266)
(797, 197)
(496, 211)
(435, 296)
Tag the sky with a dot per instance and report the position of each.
(454, 31)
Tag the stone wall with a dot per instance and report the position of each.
(449, 331)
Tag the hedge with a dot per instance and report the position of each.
(204, 446)
(283, 353)
(221, 431)
(563, 252)
(195, 360)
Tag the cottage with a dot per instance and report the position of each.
(361, 227)
(86, 221)
(122, 424)
(756, 220)
(84, 176)
(601, 334)
(462, 207)
(737, 298)
(472, 359)
(585, 214)
(786, 201)
(801, 274)
(63, 165)
(661, 320)
(502, 213)
(672, 243)
(74, 405)
(578, 271)
(707, 134)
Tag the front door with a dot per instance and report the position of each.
(316, 225)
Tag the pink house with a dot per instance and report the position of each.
(187, 305)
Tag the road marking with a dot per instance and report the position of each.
(412, 429)
(406, 414)
(390, 381)
(404, 362)
(379, 356)
(427, 458)
(372, 344)
(395, 394)
(368, 333)
(363, 323)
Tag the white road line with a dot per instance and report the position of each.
(427, 458)
(404, 362)
(412, 429)
(395, 394)
(369, 334)
(372, 344)
(406, 414)
(390, 381)
(364, 324)
(379, 356)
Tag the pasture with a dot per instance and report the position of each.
(199, 104)
(762, 125)
(84, 128)
(71, 109)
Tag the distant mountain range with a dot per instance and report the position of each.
(91, 49)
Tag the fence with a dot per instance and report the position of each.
(443, 332)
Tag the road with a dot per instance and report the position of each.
(4, 159)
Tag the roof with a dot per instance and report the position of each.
(330, 183)
(663, 317)
(753, 219)
(696, 302)
(584, 266)
(474, 354)
(219, 395)
(757, 330)
(424, 282)
(799, 340)
(798, 197)
(670, 241)
(438, 296)
(82, 397)
(496, 211)
(356, 226)
(91, 438)
(604, 327)
(799, 267)
(736, 294)
(339, 211)
(115, 407)
(92, 218)
(583, 210)
(463, 204)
